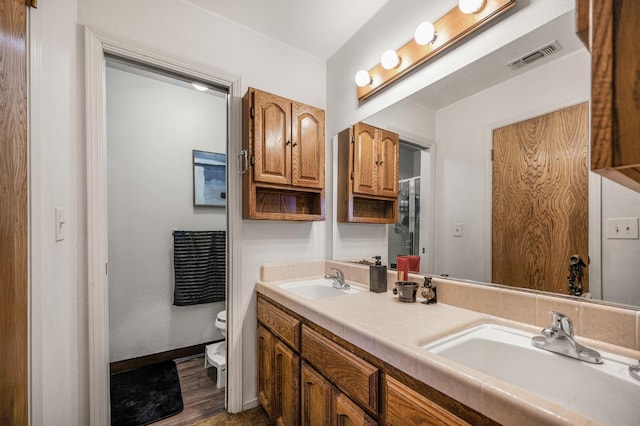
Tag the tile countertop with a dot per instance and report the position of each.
(395, 332)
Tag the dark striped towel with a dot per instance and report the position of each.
(199, 262)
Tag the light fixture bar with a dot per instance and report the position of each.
(451, 28)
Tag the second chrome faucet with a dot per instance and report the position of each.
(559, 339)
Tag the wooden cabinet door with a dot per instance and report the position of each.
(347, 413)
(271, 138)
(286, 378)
(316, 398)
(406, 407)
(365, 158)
(307, 147)
(265, 369)
(388, 153)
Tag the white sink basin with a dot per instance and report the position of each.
(318, 289)
(604, 392)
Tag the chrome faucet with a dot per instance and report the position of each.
(559, 339)
(338, 280)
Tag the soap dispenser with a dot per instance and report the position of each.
(378, 276)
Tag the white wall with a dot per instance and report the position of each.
(180, 30)
(152, 128)
(463, 161)
(58, 288)
(620, 258)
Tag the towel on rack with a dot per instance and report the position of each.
(199, 263)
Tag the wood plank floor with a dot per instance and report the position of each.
(201, 398)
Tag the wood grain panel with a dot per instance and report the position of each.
(540, 199)
(407, 407)
(13, 214)
(582, 21)
(308, 161)
(347, 413)
(351, 374)
(365, 173)
(388, 159)
(615, 89)
(265, 370)
(272, 138)
(281, 324)
(286, 385)
(316, 398)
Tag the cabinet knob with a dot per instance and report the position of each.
(295, 144)
(288, 142)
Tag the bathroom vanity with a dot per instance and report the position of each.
(360, 358)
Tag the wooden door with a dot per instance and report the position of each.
(307, 148)
(315, 399)
(265, 370)
(388, 153)
(14, 398)
(347, 412)
(271, 138)
(364, 159)
(286, 390)
(540, 199)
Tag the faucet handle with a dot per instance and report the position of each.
(339, 273)
(562, 322)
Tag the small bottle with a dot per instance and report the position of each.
(378, 276)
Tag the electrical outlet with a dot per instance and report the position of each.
(457, 230)
(622, 228)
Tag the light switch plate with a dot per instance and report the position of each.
(622, 228)
(457, 230)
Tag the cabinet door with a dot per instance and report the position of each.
(271, 138)
(265, 369)
(316, 398)
(307, 148)
(286, 378)
(365, 157)
(388, 152)
(347, 413)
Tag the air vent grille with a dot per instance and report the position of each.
(535, 55)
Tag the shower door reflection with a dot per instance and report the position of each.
(404, 236)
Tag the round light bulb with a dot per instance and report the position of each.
(389, 59)
(425, 33)
(363, 78)
(199, 87)
(471, 6)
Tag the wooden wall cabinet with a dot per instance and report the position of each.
(368, 175)
(285, 145)
(615, 109)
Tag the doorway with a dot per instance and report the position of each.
(96, 49)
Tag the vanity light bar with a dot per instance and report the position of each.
(451, 28)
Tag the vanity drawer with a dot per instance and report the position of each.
(354, 376)
(283, 325)
(404, 406)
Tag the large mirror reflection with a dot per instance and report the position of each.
(449, 213)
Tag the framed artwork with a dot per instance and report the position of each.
(209, 179)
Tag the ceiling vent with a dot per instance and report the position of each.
(535, 55)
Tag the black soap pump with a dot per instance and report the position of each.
(378, 276)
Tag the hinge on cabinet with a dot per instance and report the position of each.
(351, 174)
(253, 160)
(252, 112)
(492, 155)
(353, 139)
(31, 3)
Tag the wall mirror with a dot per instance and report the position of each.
(545, 71)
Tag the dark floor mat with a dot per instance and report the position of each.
(145, 395)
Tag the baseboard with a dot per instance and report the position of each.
(250, 404)
(141, 361)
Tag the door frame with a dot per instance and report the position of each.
(96, 45)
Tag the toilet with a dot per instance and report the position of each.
(215, 354)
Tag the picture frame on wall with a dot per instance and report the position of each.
(209, 179)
